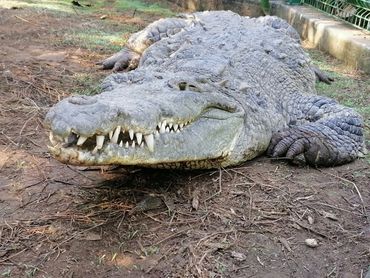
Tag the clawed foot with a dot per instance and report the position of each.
(124, 59)
(303, 146)
(322, 76)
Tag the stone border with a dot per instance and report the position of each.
(337, 38)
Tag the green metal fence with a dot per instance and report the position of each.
(356, 12)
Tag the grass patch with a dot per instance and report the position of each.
(94, 40)
(53, 5)
(87, 84)
(348, 89)
(141, 6)
(91, 6)
(97, 35)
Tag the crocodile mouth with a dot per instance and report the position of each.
(125, 138)
(155, 129)
(171, 144)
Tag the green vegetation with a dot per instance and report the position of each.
(91, 6)
(141, 6)
(87, 84)
(265, 6)
(54, 5)
(95, 39)
(351, 89)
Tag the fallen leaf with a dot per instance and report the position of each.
(149, 203)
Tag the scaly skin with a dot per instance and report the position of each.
(207, 90)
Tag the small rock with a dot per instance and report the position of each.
(329, 215)
(238, 256)
(195, 200)
(103, 17)
(310, 220)
(311, 242)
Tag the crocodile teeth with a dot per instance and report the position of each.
(167, 130)
(121, 144)
(126, 145)
(181, 126)
(110, 134)
(133, 144)
(162, 129)
(156, 134)
(81, 140)
(170, 125)
(139, 137)
(131, 133)
(99, 141)
(116, 134)
(51, 138)
(175, 127)
(95, 150)
(149, 140)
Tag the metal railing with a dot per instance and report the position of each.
(355, 12)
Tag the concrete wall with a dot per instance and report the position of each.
(335, 37)
(243, 7)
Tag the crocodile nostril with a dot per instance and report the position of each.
(81, 100)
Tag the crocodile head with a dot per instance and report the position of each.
(153, 121)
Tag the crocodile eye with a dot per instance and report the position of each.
(182, 86)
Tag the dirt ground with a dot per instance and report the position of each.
(63, 221)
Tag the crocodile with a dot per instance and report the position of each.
(207, 90)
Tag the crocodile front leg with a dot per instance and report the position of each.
(124, 59)
(332, 134)
(129, 56)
